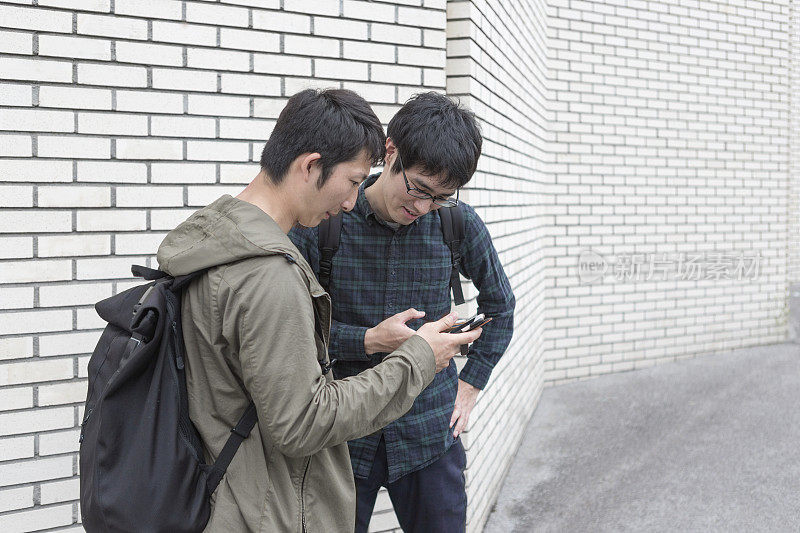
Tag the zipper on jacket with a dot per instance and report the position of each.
(83, 424)
(178, 351)
(303, 497)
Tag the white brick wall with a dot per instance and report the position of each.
(117, 120)
(618, 126)
(624, 128)
(794, 145)
(497, 61)
(672, 137)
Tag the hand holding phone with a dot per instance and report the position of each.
(469, 324)
(445, 344)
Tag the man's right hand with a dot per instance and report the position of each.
(446, 345)
(391, 333)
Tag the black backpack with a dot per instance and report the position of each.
(141, 459)
(453, 228)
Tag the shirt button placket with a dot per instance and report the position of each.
(392, 268)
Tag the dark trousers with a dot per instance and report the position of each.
(431, 500)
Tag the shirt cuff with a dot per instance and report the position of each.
(476, 373)
(347, 343)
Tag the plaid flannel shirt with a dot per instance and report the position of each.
(378, 272)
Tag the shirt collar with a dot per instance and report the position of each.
(363, 206)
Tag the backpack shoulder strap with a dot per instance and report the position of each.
(178, 282)
(453, 229)
(149, 274)
(329, 232)
(181, 282)
(240, 432)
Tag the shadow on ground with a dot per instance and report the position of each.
(706, 444)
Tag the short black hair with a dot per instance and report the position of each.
(336, 123)
(439, 135)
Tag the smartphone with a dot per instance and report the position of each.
(469, 324)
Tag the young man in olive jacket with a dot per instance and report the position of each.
(256, 327)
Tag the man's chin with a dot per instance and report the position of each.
(314, 222)
(310, 223)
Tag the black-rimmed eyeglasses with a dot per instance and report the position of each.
(417, 193)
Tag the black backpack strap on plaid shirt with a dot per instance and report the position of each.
(329, 231)
(453, 229)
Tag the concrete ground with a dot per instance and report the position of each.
(706, 444)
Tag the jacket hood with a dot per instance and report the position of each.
(223, 232)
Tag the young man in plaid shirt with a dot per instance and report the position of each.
(391, 273)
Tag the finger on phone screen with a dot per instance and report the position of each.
(467, 337)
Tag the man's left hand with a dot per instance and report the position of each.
(465, 401)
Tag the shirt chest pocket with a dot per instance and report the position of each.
(431, 291)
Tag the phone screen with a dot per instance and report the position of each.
(476, 324)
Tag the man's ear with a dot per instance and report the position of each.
(390, 147)
(310, 167)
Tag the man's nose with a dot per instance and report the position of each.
(423, 206)
(350, 203)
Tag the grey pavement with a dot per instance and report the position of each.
(704, 444)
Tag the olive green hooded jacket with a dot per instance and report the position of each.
(256, 327)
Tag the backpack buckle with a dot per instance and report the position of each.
(133, 343)
(138, 306)
(239, 432)
(456, 258)
(326, 367)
